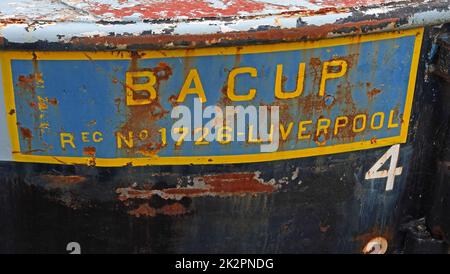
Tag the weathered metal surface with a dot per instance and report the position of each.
(354, 201)
(59, 25)
(321, 204)
(437, 194)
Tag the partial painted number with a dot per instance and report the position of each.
(375, 172)
(74, 247)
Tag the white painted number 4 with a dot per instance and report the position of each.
(393, 170)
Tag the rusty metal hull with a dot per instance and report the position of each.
(323, 206)
(323, 210)
(326, 201)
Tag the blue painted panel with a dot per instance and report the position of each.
(77, 96)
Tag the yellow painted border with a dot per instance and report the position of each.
(7, 56)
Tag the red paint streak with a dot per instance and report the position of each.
(191, 9)
(177, 8)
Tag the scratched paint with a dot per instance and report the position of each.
(367, 106)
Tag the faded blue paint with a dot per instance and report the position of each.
(86, 92)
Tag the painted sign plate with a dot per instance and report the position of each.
(119, 108)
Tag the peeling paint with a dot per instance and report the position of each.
(223, 185)
(118, 22)
(62, 180)
(145, 210)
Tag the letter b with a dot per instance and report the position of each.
(132, 87)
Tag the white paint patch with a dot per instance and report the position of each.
(331, 18)
(217, 4)
(295, 173)
(5, 142)
(133, 17)
(430, 17)
(305, 4)
(378, 10)
(224, 28)
(58, 23)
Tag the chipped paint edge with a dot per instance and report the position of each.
(65, 32)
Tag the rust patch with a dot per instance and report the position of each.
(223, 185)
(437, 232)
(90, 151)
(173, 209)
(173, 100)
(143, 118)
(146, 210)
(224, 100)
(52, 101)
(12, 111)
(63, 179)
(143, 210)
(237, 183)
(162, 72)
(372, 93)
(12, 21)
(27, 135)
(316, 64)
(324, 228)
(27, 82)
(189, 41)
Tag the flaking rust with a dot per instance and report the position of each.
(223, 185)
(203, 40)
(217, 185)
(146, 24)
(143, 118)
(173, 209)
